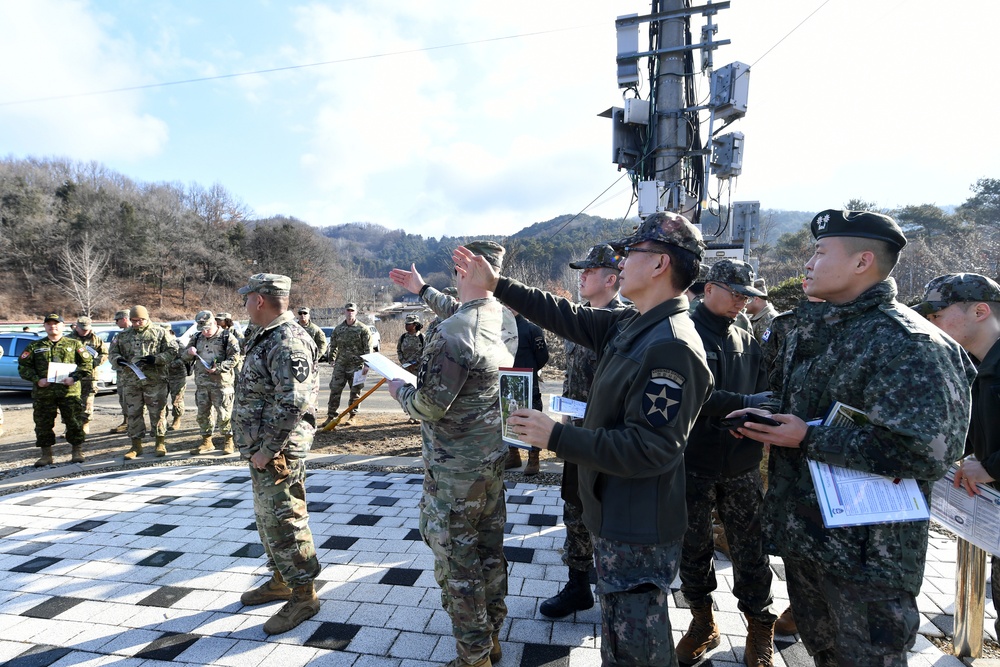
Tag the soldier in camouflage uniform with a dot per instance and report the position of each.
(274, 420)
(410, 344)
(121, 319)
(652, 378)
(350, 339)
(317, 334)
(853, 588)
(761, 310)
(218, 348)
(598, 289)
(463, 511)
(50, 397)
(723, 474)
(98, 350)
(150, 349)
(177, 375)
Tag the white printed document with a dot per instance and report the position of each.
(561, 405)
(59, 371)
(855, 498)
(975, 519)
(388, 369)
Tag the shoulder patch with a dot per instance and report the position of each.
(662, 396)
(766, 335)
(300, 366)
(26, 354)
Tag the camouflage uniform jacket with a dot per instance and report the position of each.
(913, 382)
(317, 335)
(581, 362)
(762, 320)
(221, 350)
(736, 362)
(444, 306)
(33, 364)
(652, 378)
(95, 343)
(409, 348)
(457, 396)
(133, 344)
(347, 343)
(276, 391)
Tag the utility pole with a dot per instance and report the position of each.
(671, 130)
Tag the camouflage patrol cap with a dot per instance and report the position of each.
(670, 228)
(411, 319)
(121, 314)
(761, 286)
(601, 256)
(945, 290)
(84, 322)
(138, 312)
(268, 283)
(52, 317)
(223, 316)
(350, 305)
(204, 319)
(735, 274)
(862, 224)
(303, 311)
(491, 251)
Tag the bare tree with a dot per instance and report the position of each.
(82, 275)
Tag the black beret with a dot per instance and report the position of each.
(863, 224)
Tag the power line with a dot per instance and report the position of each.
(824, 4)
(271, 70)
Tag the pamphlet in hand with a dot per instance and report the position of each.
(855, 498)
(561, 405)
(59, 371)
(204, 363)
(975, 519)
(135, 369)
(360, 376)
(515, 393)
(388, 369)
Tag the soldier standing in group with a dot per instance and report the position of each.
(761, 310)
(177, 375)
(410, 344)
(598, 289)
(854, 588)
(317, 334)
(462, 511)
(63, 396)
(652, 379)
(150, 349)
(350, 339)
(98, 350)
(121, 319)
(274, 420)
(722, 473)
(218, 348)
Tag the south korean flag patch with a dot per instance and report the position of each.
(662, 396)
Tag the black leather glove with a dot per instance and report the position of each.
(149, 360)
(757, 400)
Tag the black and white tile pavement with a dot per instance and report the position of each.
(146, 568)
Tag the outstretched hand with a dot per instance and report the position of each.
(410, 280)
(477, 271)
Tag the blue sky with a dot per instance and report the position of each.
(877, 99)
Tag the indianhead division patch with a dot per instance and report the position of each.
(300, 367)
(661, 399)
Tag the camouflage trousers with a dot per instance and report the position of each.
(342, 377)
(462, 516)
(578, 547)
(45, 406)
(845, 623)
(153, 396)
(175, 387)
(121, 399)
(738, 501)
(633, 581)
(279, 505)
(214, 402)
(87, 393)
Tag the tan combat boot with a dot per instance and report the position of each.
(136, 449)
(205, 447)
(496, 653)
(273, 589)
(531, 467)
(77, 456)
(175, 424)
(513, 459)
(302, 606)
(482, 662)
(760, 644)
(161, 445)
(785, 625)
(121, 428)
(46, 458)
(229, 447)
(86, 427)
(701, 635)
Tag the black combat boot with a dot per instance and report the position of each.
(575, 596)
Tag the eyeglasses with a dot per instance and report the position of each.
(734, 295)
(631, 248)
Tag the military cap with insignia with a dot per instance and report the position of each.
(735, 274)
(223, 316)
(273, 284)
(121, 314)
(350, 305)
(669, 228)
(491, 251)
(303, 311)
(600, 256)
(411, 319)
(945, 290)
(204, 319)
(862, 224)
(52, 317)
(761, 286)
